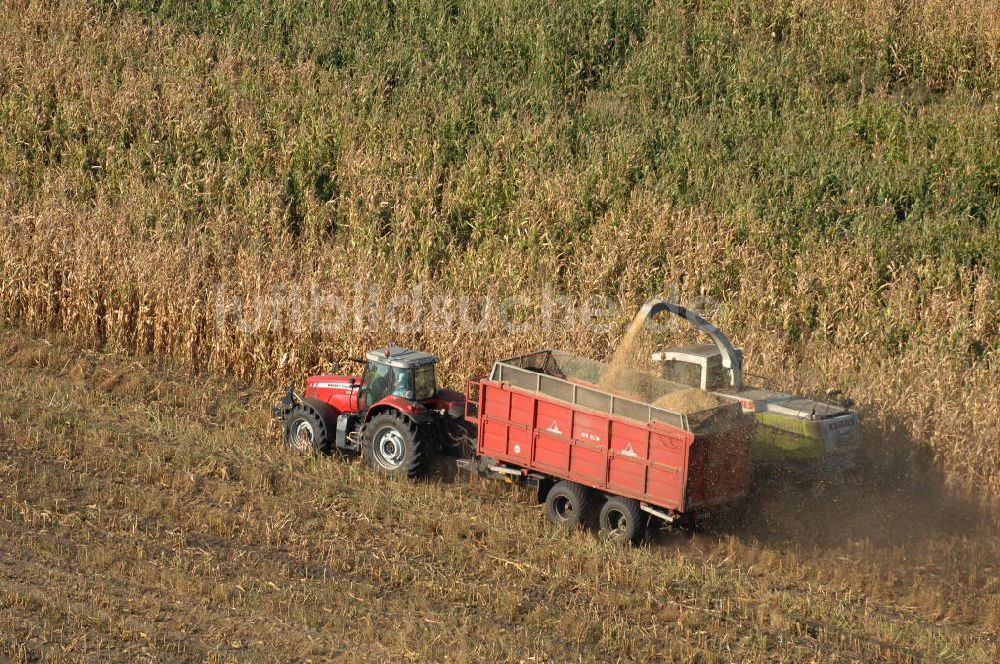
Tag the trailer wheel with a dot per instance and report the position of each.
(391, 444)
(568, 504)
(307, 429)
(622, 520)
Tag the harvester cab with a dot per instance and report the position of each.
(792, 433)
(393, 414)
(699, 366)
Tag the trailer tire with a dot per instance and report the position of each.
(392, 444)
(568, 504)
(622, 520)
(308, 427)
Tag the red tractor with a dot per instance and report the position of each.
(393, 414)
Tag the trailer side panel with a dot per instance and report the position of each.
(648, 462)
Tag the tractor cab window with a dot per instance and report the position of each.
(381, 380)
(424, 383)
(377, 381)
(402, 383)
(414, 384)
(685, 373)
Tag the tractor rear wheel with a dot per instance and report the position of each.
(622, 520)
(568, 504)
(392, 444)
(308, 427)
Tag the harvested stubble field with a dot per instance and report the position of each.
(234, 188)
(146, 515)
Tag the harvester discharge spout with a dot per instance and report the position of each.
(732, 359)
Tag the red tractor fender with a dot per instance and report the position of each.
(411, 409)
(450, 401)
(327, 413)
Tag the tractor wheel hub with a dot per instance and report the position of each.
(302, 436)
(389, 448)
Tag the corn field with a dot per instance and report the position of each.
(826, 173)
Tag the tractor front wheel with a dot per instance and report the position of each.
(307, 428)
(391, 444)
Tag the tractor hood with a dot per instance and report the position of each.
(331, 382)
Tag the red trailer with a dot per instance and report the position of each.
(542, 419)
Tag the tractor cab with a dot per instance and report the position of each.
(398, 372)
